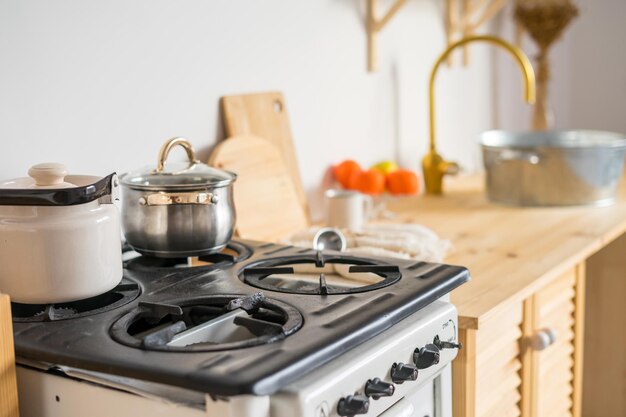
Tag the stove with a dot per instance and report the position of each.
(257, 330)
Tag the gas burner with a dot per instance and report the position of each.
(125, 292)
(320, 274)
(205, 330)
(233, 253)
(207, 324)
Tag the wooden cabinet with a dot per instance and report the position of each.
(552, 347)
(498, 364)
(604, 388)
(8, 388)
(526, 358)
(529, 267)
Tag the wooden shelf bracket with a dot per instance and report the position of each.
(464, 17)
(374, 26)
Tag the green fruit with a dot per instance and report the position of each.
(385, 167)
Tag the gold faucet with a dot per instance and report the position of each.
(433, 164)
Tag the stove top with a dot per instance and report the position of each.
(249, 320)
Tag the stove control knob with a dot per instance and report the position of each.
(352, 405)
(426, 356)
(401, 372)
(446, 345)
(376, 388)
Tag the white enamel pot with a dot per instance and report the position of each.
(59, 236)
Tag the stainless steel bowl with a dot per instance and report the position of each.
(553, 168)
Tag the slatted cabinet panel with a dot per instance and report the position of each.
(502, 372)
(8, 387)
(498, 364)
(551, 373)
(555, 306)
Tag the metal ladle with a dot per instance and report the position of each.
(329, 238)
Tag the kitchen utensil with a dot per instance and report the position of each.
(329, 238)
(178, 209)
(59, 236)
(347, 209)
(266, 199)
(264, 115)
(553, 168)
(402, 240)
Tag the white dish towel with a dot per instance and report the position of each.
(405, 241)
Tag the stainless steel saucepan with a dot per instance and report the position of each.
(178, 210)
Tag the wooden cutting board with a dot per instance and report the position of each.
(264, 115)
(267, 203)
(8, 387)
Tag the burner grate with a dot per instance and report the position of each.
(320, 275)
(207, 324)
(124, 293)
(233, 253)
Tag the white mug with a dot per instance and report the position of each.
(347, 209)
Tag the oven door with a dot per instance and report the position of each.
(433, 399)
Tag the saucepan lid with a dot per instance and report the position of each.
(49, 184)
(189, 175)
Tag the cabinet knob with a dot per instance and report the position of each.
(543, 339)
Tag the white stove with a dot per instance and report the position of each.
(341, 344)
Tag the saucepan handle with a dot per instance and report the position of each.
(167, 147)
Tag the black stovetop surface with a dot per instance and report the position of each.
(331, 324)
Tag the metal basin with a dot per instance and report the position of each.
(553, 168)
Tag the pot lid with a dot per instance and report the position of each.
(47, 175)
(49, 185)
(178, 175)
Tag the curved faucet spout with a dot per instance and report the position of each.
(434, 166)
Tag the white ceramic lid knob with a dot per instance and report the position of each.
(49, 175)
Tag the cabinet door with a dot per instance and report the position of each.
(486, 374)
(8, 388)
(498, 364)
(552, 348)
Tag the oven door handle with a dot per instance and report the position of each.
(402, 408)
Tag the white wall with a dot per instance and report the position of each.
(100, 85)
(588, 88)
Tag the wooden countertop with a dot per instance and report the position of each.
(511, 252)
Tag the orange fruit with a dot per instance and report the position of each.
(371, 181)
(402, 181)
(344, 170)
